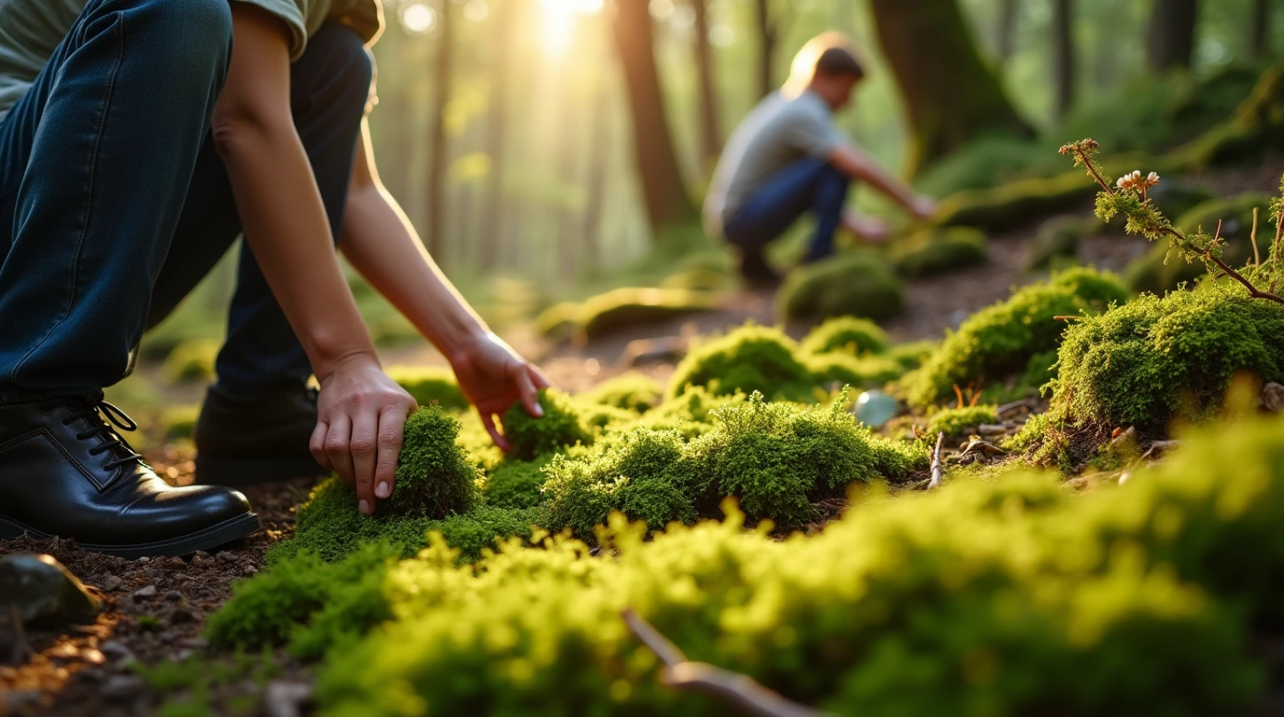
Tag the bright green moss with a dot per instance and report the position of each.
(629, 307)
(697, 279)
(863, 372)
(847, 334)
(691, 412)
(478, 530)
(631, 391)
(853, 284)
(999, 341)
(515, 484)
(1010, 205)
(912, 355)
(559, 322)
(938, 251)
(957, 423)
(434, 477)
(429, 385)
(1156, 359)
(751, 358)
(562, 425)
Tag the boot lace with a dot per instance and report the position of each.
(93, 410)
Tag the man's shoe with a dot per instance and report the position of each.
(243, 440)
(64, 471)
(757, 273)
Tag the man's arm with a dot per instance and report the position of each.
(361, 412)
(856, 164)
(381, 243)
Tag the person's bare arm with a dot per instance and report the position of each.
(856, 164)
(361, 412)
(382, 244)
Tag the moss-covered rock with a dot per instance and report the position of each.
(853, 284)
(559, 322)
(847, 334)
(751, 358)
(1010, 205)
(1000, 340)
(938, 251)
(958, 423)
(430, 385)
(1257, 127)
(562, 425)
(857, 372)
(1157, 272)
(1057, 239)
(630, 307)
(631, 391)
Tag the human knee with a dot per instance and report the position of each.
(192, 38)
(341, 57)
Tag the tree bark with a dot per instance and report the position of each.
(1172, 34)
(710, 138)
(951, 96)
(1063, 56)
(496, 133)
(767, 37)
(1009, 12)
(439, 162)
(1260, 31)
(667, 200)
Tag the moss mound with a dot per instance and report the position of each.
(516, 485)
(863, 372)
(751, 358)
(631, 391)
(1256, 128)
(1010, 205)
(847, 334)
(958, 423)
(846, 285)
(939, 251)
(1157, 272)
(1000, 340)
(629, 307)
(559, 322)
(562, 425)
(434, 477)
(1057, 240)
(912, 355)
(431, 384)
(1156, 359)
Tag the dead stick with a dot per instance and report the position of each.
(1257, 255)
(739, 690)
(936, 461)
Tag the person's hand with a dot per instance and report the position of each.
(493, 376)
(360, 417)
(923, 208)
(871, 230)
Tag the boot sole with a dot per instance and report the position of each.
(246, 472)
(205, 539)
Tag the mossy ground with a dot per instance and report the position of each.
(852, 284)
(938, 251)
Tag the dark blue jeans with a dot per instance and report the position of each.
(114, 204)
(807, 184)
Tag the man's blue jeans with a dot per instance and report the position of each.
(809, 184)
(114, 203)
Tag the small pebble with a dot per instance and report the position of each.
(147, 591)
(119, 687)
(227, 557)
(250, 570)
(111, 582)
(194, 643)
(181, 616)
(173, 596)
(115, 649)
(144, 560)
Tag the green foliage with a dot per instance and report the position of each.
(690, 412)
(984, 163)
(1158, 272)
(938, 251)
(434, 477)
(1010, 205)
(429, 385)
(562, 425)
(863, 372)
(631, 391)
(751, 358)
(847, 334)
(192, 360)
(1256, 127)
(1156, 359)
(1058, 239)
(628, 307)
(515, 484)
(853, 284)
(1000, 340)
(912, 355)
(958, 423)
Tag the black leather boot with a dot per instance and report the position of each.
(64, 471)
(243, 440)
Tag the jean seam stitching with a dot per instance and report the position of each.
(105, 108)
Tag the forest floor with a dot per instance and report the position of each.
(155, 611)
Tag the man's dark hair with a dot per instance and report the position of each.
(839, 61)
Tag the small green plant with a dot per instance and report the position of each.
(957, 423)
(751, 358)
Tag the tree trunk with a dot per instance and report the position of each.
(1260, 32)
(767, 37)
(1063, 55)
(951, 96)
(496, 131)
(1009, 12)
(439, 161)
(710, 140)
(667, 201)
(1172, 34)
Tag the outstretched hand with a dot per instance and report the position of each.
(493, 377)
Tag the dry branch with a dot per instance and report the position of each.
(740, 691)
(936, 461)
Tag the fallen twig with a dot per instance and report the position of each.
(739, 690)
(936, 461)
(1007, 408)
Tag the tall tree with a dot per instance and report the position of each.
(768, 36)
(950, 94)
(710, 139)
(1260, 30)
(496, 131)
(667, 200)
(439, 160)
(1009, 12)
(1063, 55)
(1172, 34)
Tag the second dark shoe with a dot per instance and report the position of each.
(64, 471)
(756, 272)
(244, 440)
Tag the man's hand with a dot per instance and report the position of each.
(360, 417)
(923, 208)
(871, 230)
(493, 376)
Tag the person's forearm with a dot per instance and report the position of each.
(856, 165)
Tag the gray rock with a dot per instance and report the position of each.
(875, 408)
(115, 650)
(147, 591)
(120, 687)
(43, 591)
(111, 582)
